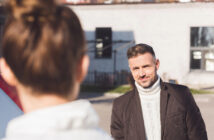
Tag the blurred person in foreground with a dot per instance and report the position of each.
(154, 110)
(44, 56)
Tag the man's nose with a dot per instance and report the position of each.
(142, 72)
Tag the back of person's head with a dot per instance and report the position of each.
(140, 49)
(42, 44)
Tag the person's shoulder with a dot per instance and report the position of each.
(176, 88)
(74, 134)
(126, 96)
(124, 99)
(86, 133)
(180, 92)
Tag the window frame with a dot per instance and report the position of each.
(203, 50)
(106, 48)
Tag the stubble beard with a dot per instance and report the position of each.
(150, 82)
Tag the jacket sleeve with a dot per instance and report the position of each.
(195, 123)
(117, 129)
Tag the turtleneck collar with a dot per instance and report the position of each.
(151, 90)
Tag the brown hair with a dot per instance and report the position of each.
(43, 43)
(140, 49)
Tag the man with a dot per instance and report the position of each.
(154, 110)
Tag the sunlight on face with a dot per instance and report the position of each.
(144, 69)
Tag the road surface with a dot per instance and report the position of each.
(103, 105)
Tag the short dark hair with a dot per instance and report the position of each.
(43, 43)
(140, 49)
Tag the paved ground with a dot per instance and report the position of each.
(206, 105)
(103, 105)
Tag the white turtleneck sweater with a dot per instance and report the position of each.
(150, 104)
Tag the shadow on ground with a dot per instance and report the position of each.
(96, 98)
(88, 95)
(100, 101)
(208, 88)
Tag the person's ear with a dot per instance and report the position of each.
(7, 73)
(157, 64)
(82, 68)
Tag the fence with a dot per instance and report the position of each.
(106, 79)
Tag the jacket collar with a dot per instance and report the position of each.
(163, 105)
(138, 115)
(137, 110)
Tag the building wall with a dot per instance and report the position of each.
(166, 27)
(122, 40)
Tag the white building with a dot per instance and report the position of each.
(167, 27)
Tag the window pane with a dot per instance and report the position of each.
(209, 65)
(99, 48)
(202, 36)
(209, 61)
(196, 57)
(103, 43)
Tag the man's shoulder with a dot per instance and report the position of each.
(124, 99)
(125, 96)
(180, 92)
(177, 88)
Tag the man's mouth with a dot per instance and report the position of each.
(143, 78)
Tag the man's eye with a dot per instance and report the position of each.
(135, 68)
(146, 66)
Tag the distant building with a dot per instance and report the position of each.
(182, 35)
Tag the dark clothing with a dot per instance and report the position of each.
(180, 116)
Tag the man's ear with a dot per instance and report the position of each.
(82, 69)
(7, 73)
(157, 64)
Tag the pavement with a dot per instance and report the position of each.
(102, 103)
(206, 106)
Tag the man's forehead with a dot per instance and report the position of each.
(145, 56)
(142, 59)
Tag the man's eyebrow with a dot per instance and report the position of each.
(145, 65)
(135, 67)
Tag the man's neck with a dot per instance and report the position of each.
(150, 90)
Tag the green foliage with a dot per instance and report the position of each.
(198, 91)
(120, 89)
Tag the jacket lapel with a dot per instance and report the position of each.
(138, 114)
(137, 110)
(164, 96)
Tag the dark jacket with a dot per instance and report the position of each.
(180, 116)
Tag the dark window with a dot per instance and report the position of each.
(103, 43)
(202, 48)
(195, 59)
(202, 36)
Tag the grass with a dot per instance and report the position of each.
(98, 89)
(120, 89)
(125, 88)
(198, 91)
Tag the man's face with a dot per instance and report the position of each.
(144, 69)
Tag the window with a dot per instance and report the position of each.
(202, 48)
(103, 43)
